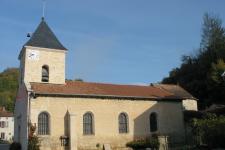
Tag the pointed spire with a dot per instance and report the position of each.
(44, 37)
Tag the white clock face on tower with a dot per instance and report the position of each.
(33, 55)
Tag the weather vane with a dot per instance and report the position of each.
(43, 9)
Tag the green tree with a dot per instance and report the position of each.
(197, 74)
(216, 72)
(8, 87)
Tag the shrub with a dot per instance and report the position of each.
(33, 141)
(15, 146)
(144, 143)
(4, 142)
(210, 130)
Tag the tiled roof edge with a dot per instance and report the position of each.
(109, 96)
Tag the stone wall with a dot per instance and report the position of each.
(106, 112)
(190, 104)
(55, 59)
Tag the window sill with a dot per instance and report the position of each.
(123, 133)
(43, 135)
(88, 134)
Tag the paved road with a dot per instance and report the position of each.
(4, 147)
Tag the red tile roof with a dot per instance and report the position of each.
(176, 90)
(5, 113)
(77, 88)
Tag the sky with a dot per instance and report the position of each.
(110, 41)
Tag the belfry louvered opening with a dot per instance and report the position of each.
(45, 73)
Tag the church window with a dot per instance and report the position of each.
(88, 120)
(123, 123)
(45, 73)
(153, 122)
(43, 123)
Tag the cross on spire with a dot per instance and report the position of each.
(43, 8)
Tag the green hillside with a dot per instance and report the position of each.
(8, 87)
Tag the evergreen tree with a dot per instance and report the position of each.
(201, 74)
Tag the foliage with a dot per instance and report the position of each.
(144, 143)
(98, 146)
(4, 142)
(78, 79)
(33, 141)
(217, 70)
(210, 130)
(201, 74)
(8, 88)
(15, 146)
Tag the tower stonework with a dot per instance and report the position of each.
(31, 68)
(42, 49)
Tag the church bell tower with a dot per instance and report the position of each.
(42, 58)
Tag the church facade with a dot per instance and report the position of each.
(80, 115)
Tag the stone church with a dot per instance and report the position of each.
(78, 115)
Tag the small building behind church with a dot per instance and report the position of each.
(6, 125)
(80, 115)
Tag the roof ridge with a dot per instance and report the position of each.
(161, 88)
(108, 83)
(5, 113)
(166, 84)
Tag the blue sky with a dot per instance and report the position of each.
(113, 41)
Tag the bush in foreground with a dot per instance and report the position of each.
(33, 141)
(210, 130)
(4, 142)
(144, 143)
(15, 146)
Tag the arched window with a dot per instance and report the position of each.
(88, 121)
(45, 73)
(153, 122)
(123, 123)
(43, 123)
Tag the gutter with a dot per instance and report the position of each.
(107, 96)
